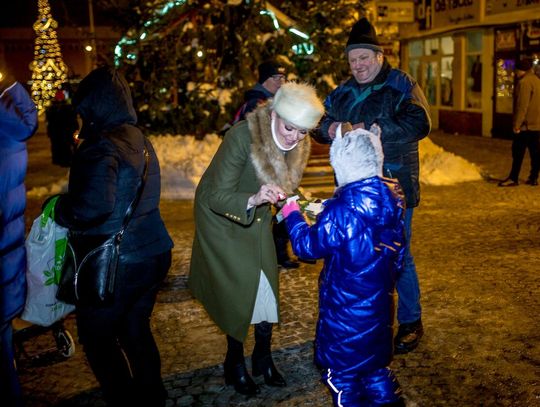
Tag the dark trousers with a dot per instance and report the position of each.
(10, 389)
(525, 140)
(118, 341)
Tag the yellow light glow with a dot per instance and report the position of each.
(48, 68)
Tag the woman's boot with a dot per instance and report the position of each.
(261, 359)
(235, 369)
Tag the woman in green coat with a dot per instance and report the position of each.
(233, 269)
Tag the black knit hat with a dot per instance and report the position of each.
(524, 64)
(268, 69)
(363, 35)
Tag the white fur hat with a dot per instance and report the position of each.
(298, 104)
(357, 155)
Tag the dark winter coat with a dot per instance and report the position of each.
(397, 104)
(18, 121)
(253, 97)
(360, 236)
(106, 171)
(232, 244)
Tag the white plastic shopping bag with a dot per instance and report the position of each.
(45, 247)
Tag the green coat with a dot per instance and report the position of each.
(232, 244)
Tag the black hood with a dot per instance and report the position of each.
(103, 100)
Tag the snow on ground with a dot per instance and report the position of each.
(184, 159)
(439, 167)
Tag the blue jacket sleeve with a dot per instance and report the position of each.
(316, 241)
(18, 113)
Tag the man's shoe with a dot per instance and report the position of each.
(531, 182)
(408, 337)
(307, 261)
(239, 377)
(289, 264)
(508, 183)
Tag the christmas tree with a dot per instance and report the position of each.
(189, 63)
(48, 69)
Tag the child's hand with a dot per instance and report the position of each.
(289, 208)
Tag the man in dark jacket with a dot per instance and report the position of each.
(105, 174)
(18, 122)
(378, 93)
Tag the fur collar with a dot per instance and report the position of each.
(271, 164)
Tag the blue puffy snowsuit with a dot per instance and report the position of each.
(360, 236)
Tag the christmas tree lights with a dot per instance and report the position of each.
(48, 68)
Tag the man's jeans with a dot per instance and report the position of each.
(409, 309)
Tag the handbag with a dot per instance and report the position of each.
(91, 261)
(45, 248)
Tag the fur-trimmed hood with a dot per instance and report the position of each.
(272, 165)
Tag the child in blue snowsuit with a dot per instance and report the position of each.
(360, 236)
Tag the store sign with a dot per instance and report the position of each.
(455, 12)
(505, 40)
(395, 12)
(504, 6)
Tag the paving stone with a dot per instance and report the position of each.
(477, 249)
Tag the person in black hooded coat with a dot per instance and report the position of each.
(104, 177)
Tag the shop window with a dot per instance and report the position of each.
(416, 49)
(430, 86)
(446, 81)
(431, 46)
(474, 70)
(447, 60)
(504, 85)
(447, 45)
(414, 65)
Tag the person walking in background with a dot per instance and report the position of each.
(103, 181)
(360, 235)
(526, 124)
(61, 127)
(233, 270)
(18, 122)
(378, 93)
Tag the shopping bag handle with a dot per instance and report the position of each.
(48, 211)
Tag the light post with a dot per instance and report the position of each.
(91, 48)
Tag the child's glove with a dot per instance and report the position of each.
(290, 207)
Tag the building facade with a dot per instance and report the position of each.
(463, 54)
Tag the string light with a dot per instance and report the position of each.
(48, 68)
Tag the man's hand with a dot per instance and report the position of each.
(332, 129)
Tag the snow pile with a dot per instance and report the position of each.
(439, 167)
(183, 160)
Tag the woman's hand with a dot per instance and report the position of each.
(268, 193)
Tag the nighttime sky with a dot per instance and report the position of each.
(23, 13)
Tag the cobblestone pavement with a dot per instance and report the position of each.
(477, 248)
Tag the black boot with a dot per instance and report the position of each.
(261, 359)
(235, 369)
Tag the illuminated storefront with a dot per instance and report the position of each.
(463, 53)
